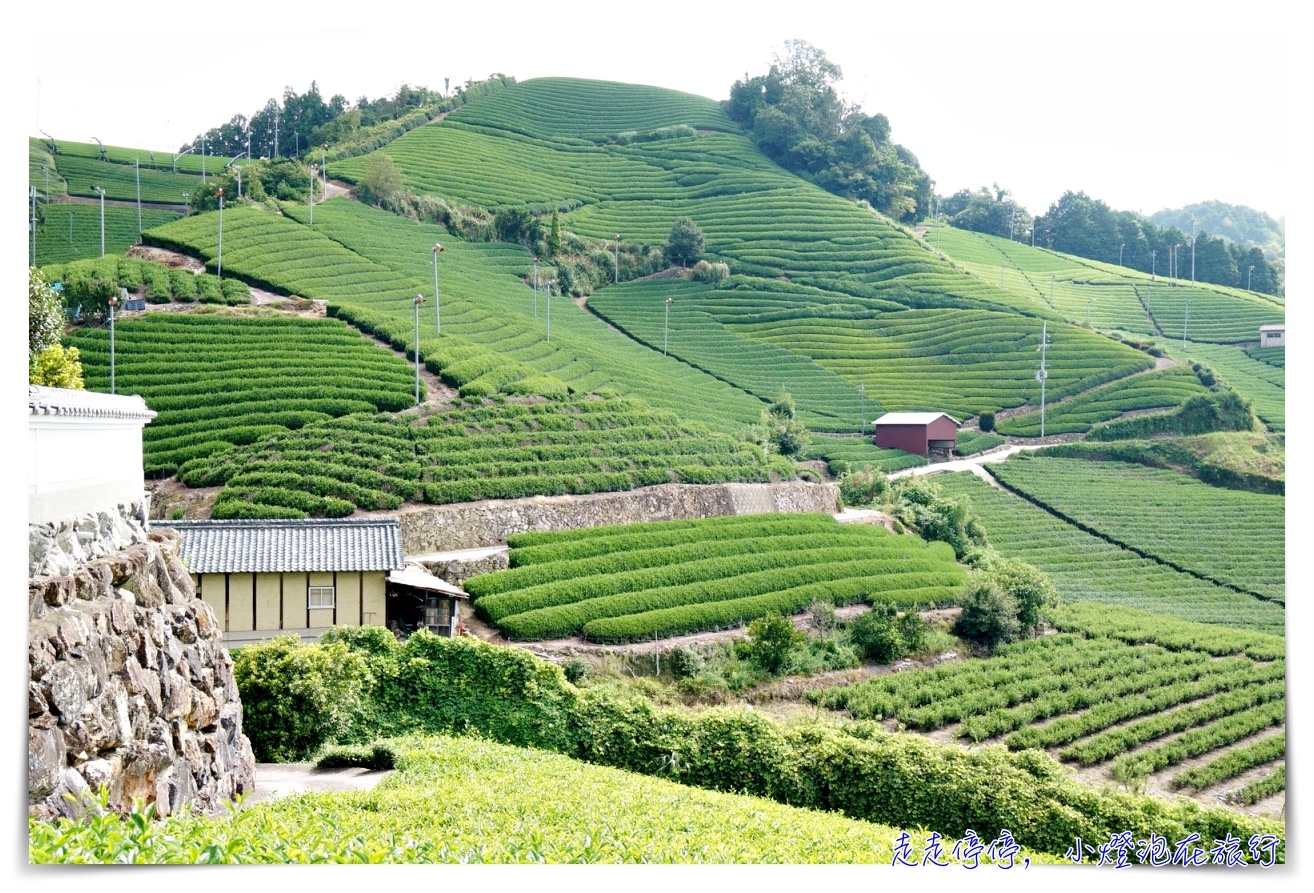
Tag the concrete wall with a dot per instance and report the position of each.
(474, 525)
(85, 455)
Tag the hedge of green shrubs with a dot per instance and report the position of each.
(434, 685)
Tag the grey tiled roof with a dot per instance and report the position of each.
(295, 546)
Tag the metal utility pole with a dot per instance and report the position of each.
(617, 260)
(1250, 269)
(136, 165)
(536, 288)
(666, 324)
(221, 234)
(550, 284)
(1193, 250)
(32, 223)
(1152, 253)
(102, 219)
(1042, 373)
(419, 299)
(112, 301)
(437, 321)
(1089, 301)
(275, 132)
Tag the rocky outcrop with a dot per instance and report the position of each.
(130, 688)
(472, 525)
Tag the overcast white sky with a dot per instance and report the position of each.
(1145, 106)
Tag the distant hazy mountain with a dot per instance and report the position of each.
(1236, 223)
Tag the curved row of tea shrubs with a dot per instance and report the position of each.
(1152, 390)
(219, 380)
(503, 450)
(155, 283)
(435, 685)
(706, 575)
(1087, 568)
(472, 801)
(1164, 515)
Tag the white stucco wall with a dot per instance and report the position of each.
(84, 452)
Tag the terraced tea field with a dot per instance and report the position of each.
(218, 381)
(71, 231)
(120, 180)
(1094, 699)
(1261, 382)
(670, 316)
(1153, 390)
(1086, 568)
(958, 361)
(1107, 296)
(618, 584)
(1230, 537)
(369, 266)
(843, 454)
(465, 454)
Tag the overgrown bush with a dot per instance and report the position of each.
(863, 487)
(770, 640)
(986, 422)
(876, 635)
(297, 696)
(575, 669)
(712, 273)
(988, 617)
(921, 504)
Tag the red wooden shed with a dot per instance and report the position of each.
(916, 432)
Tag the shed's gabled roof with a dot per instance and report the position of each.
(913, 418)
(1278, 328)
(293, 546)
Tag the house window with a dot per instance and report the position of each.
(321, 597)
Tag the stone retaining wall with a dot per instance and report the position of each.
(474, 525)
(55, 548)
(130, 687)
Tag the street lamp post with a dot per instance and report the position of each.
(437, 321)
(419, 299)
(112, 301)
(220, 265)
(666, 324)
(102, 219)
